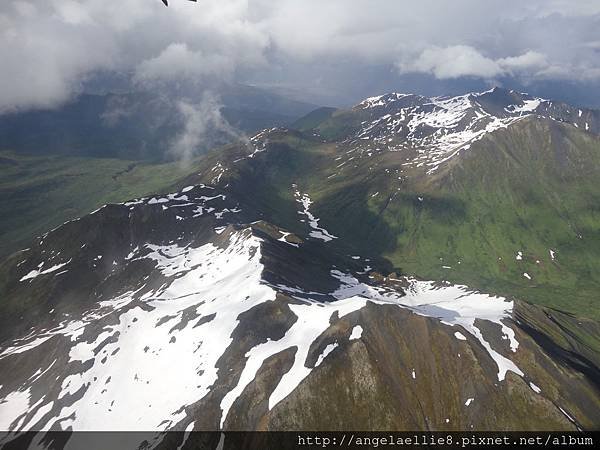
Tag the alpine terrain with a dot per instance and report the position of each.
(410, 263)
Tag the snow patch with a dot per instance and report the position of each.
(37, 272)
(313, 320)
(144, 349)
(356, 333)
(458, 335)
(318, 232)
(326, 352)
(451, 304)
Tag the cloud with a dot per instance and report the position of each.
(177, 62)
(44, 59)
(528, 61)
(203, 127)
(452, 62)
(50, 49)
(464, 61)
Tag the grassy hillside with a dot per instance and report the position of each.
(40, 193)
(530, 189)
(313, 119)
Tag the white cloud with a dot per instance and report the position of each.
(528, 61)
(48, 49)
(72, 12)
(177, 61)
(452, 62)
(203, 126)
(45, 58)
(465, 61)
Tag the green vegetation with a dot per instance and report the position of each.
(38, 193)
(517, 191)
(313, 119)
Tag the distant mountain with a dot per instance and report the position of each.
(406, 264)
(434, 130)
(141, 125)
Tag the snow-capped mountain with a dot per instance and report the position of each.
(430, 131)
(305, 281)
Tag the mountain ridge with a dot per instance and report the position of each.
(174, 277)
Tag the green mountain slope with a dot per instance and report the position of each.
(313, 119)
(40, 193)
(530, 188)
(56, 165)
(515, 212)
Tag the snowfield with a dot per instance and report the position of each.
(170, 341)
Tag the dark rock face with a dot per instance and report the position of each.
(199, 310)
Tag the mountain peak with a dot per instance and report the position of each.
(434, 130)
(392, 98)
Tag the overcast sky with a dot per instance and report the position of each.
(326, 51)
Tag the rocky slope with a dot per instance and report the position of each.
(261, 295)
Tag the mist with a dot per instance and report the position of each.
(202, 127)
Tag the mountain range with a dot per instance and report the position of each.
(409, 263)
(143, 125)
